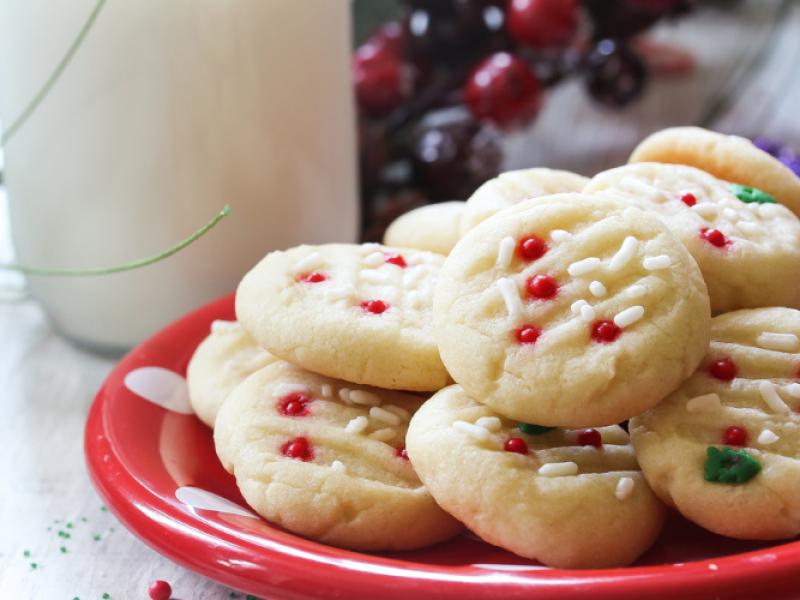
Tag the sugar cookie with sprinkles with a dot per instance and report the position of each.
(435, 228)
(571, 311)
(359, 313)
(728, 157)
(572, 499)
(748, 252)
(221, 362)
(510, 188)
(724, 449)
(326, 459)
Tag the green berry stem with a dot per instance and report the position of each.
(125, 267)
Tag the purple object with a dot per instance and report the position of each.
(768, 145)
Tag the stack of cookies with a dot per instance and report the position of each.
(384, 397)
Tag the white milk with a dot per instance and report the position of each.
(170, 110)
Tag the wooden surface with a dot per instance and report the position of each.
(747, 83)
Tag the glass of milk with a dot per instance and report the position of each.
(170, 110)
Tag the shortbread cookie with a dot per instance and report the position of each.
(434, 228)
(571, 311)
(326, 459)
(570, 499)
(749, 253)
(359, 313)
(728, 157)
(221, 362)
(724, 448)
(510, 188)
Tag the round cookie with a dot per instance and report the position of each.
(570, 499)
(727, 157)
(744, 397)
(508, 189)
(326, 459)
(749, 253)
(221, 362)
(434, 228)
(571, 311)
(359, 313)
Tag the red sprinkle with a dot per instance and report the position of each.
(295, 405)
(688, 199)
(395, 259)
(531, 248)
(298, 448)
(314, 277)
(605, 331)
(735, 436)
(517, 445)
(376, 307)
(527, 334)
(159, 590)
(714, 237)
(542, 286)
(590, 437)
(402, 453)
(724, 369)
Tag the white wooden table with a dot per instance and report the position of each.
(747, 82)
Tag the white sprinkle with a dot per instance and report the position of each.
(706, 209)
(346, 291)
(357, 425)
(338, 465)
(327, 390)
(399, 411)
(493, 424)
(643, 188)
(376, 412)
(732, 214)
(558, 469)
(511, 296)
(748, 228)
(414, 299)
(654, 263)
(794, 390)
(614, 195)
(713, 567)
(376, 259)
(366, 398)
(587, 313)
(577, 305)
(637, 291)
(746, 215)
(767, 437)
(285, 389)
(629, 316)
(584, 266)
(413, 274)
(229, 365)
(309, 263)
(370, 247)
(624, 488)
(783, 342)
(506, 252)
(625, 253)
(287, 366)
(709, 403)
(598, 289)
(220, 326)
(770, 396)
(376, 277)
(476, 431)
(768, 211)
(383, 435)
(559, 235)
(344, 394)
(753, 206)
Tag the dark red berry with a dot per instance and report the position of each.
(531, 248)
(615, 75)
(295, 405)
(382, 80)
(527, 334)
(298, 448)
(402, 453)
(314, 277)
(516, 445)
(542, 23)
(735, 436)
(542, 286)
(395, 259)
(375, 307)
(504, 91)
(724, 369)
(590, 437)
(159, 590)
(605, 331)
(714, 237)
(688, 199)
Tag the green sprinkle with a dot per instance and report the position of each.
(531, 429)
(83, 519)
(106, 596)
(96, 538)
(250, 597)
(232, 595)
(63, 549)
(103, 508)
(56, 521)
(111, 529)
(751, 194)
(730, 466)
(27, 553)
(49, 529)
(69, 525)
(33, 565)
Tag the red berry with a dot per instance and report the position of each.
(395, 259)
(159, 590)
(375, 307)
(542, 286)
(531, 248)
(389, 37)
(713, 236)
(298, 448)
(527, 334)
(382, 80)
(542, 23)
(504, 91)
(688, 199)
(516, 445)
(402, 453)
(294, 405)
(735, 436)
(590, 437)
(314, 277)
(724, 369)
(605, 331)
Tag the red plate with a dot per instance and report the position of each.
(140, 454)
